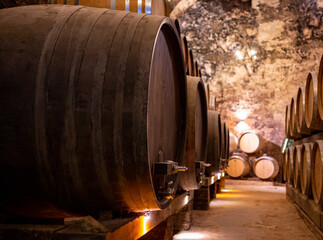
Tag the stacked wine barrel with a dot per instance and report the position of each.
(101, 110)
(303, 165)
(243, 159)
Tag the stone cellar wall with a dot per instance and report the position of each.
(255, 55)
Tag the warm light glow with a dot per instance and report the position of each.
(239, 55)
(253, 52)
(242, 126)
(189, 236)
(186, 199)
(254, 57)
(145, 220)
(242, 114)
(223, 174)
(219, 176)
(212, 180)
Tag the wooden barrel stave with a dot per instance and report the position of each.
(302, 129)
(305, 169)
(290, 169)
(293, 125)
(190, 63)
(214, 143)
(317, 172)
(196, 141)
(185, 51)
(286, 154)
(320, 88)
(296, 166)
(287, 122)
(224, 139)
(61, 142)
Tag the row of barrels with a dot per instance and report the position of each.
(98, 113)
(304, 114)
(303, 169)
(264, 167)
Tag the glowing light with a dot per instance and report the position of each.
(242, 126)
(186, 199)
(189, 236)
(242, 114)
(254, 57)
(219, 176)
(223, 174)
(147, 216)
(239, 55)
(253, 52)
(212, 180)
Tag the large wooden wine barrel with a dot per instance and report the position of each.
(293, 126)
(320, 88)
(196, 69)
(296, 165)
(227, 143)
(312, 116)
(266, 167)
(305, 168)
(290, 161)
(238, 165)
(302, 129)
(317, 172)
(214, 142)
(196, 141)
(250, 141)
(224, 139)
(93, 106)
(207, 93)
(285, 161)
(185, 52)
(287, 122)
(154, 7)
(190, 62)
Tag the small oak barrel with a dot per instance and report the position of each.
(233, 142)
(317, 172)
(290, 165)
(302, 129)
(285, 161)
(190, 63)
(185, 51)
(305, 168)
(96, 102)
(296, 166)
(224, 139)
(214, 142)
(154, 7)
(266, 167)
(292, 123)
(312, 116)
(250, 141)
(196, 140)
(320, 88)
(238, 165)
(287, 122)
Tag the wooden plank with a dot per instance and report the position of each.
(310, 139)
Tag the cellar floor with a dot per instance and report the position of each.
(248, 212)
